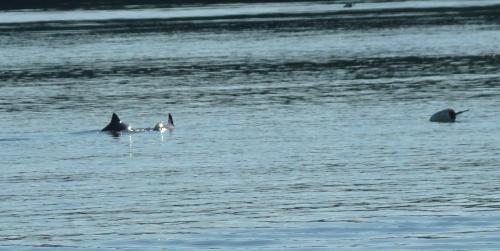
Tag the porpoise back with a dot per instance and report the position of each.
(445, 116)
(160, 126)
(116, 125)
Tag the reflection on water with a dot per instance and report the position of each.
(296, 128)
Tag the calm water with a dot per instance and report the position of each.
(299, 126)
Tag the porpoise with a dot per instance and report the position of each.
(161, 126)
(116, 125)
(445, 116)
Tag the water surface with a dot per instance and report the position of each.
(296, 128)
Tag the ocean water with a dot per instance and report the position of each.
(299, 126)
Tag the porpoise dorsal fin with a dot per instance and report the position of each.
(170, 122)
(115, 119)
(114, 124)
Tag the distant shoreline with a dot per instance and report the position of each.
(117, 4)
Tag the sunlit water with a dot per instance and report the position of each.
(296, 128)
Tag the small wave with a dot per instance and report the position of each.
(13, 139)
(378, 67)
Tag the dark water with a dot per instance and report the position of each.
(300, 126)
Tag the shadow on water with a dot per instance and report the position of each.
(114, 134)
(118, 134)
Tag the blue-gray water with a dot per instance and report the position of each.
(299, 126)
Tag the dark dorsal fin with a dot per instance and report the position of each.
(170, 120)
(115, 119)
(114, 125)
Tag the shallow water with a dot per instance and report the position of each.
(295, 129)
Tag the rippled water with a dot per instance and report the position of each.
(299, 126)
